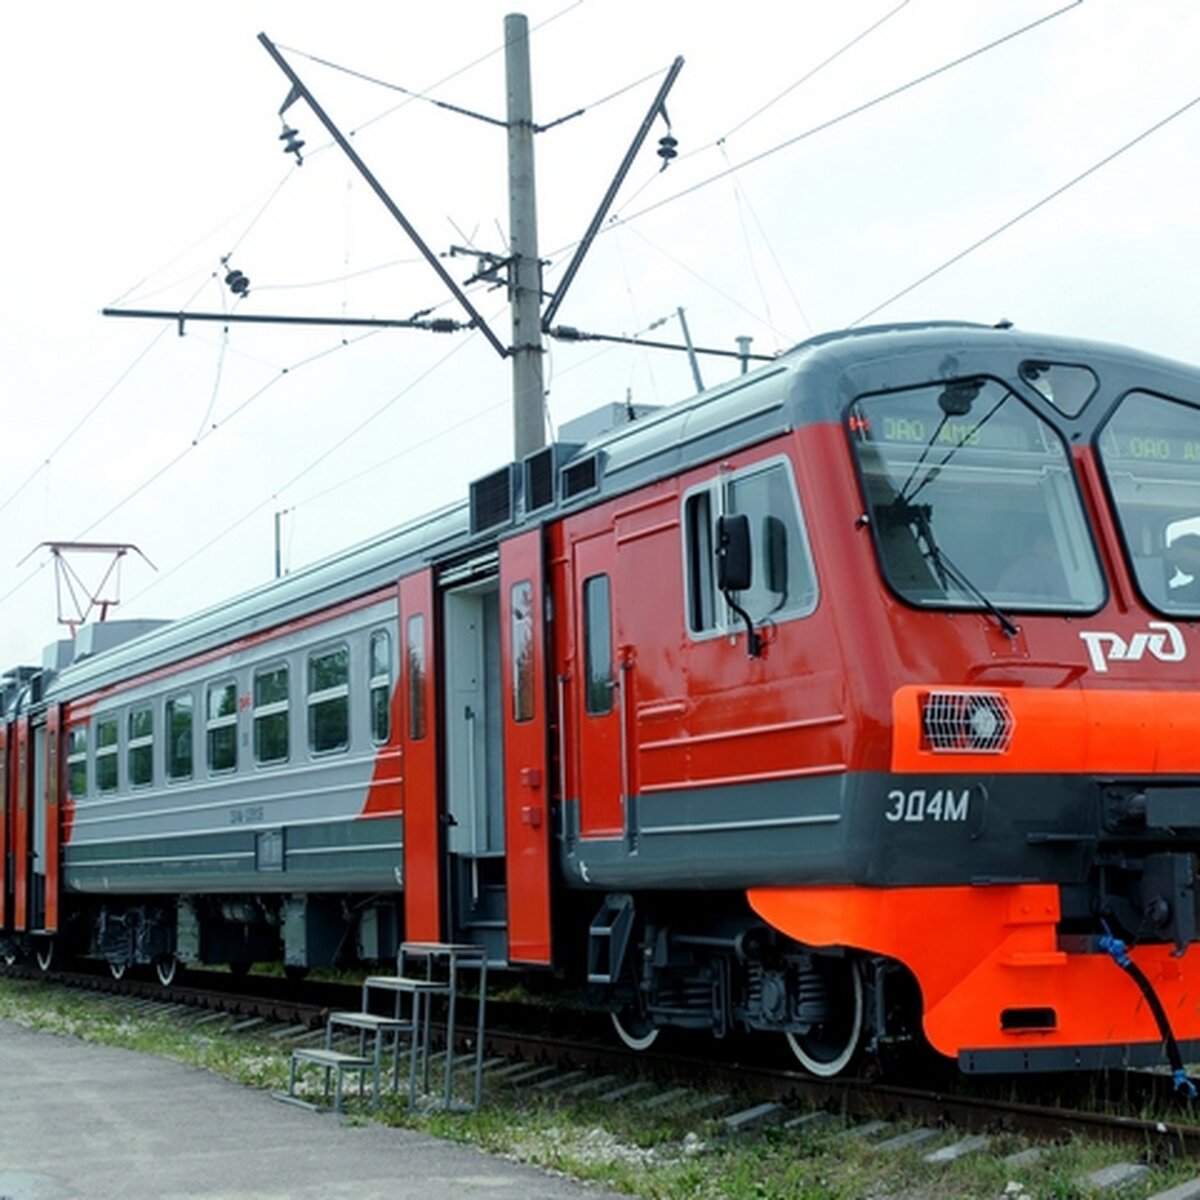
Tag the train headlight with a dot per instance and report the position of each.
(967, 722)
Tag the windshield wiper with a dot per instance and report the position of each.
(917, 516)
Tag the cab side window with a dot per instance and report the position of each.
(783, 581)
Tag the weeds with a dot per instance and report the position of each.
(660, 1154)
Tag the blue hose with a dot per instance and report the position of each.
(1115, 947)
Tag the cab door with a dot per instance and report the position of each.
(599, 701)
(525, 726)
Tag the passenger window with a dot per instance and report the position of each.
(77, 774)
(380, 686)
(783, 581)
(415, 649)
(106, 754)
(221, 726)
(597, 633)
(140, 747)
(179, 724)
(329, 701)
(521, 603)
(271, 715)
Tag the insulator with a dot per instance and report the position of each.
(237, 283)
(667, 148)
(293, 143)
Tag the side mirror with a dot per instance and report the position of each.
(733, 553)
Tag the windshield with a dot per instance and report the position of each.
(1150, 452)
(972, 500)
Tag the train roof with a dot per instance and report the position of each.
(812, 382)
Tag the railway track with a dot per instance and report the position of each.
(1104, 1108)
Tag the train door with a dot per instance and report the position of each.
(600, 701)
(526, 782)
(47, 826)
(6, 809)
(20, 848)
(422, 810)
(474, 762)
(39, 826)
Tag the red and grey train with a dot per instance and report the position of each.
(853, 700)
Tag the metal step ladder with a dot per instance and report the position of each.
(429, 972)
(425, 972)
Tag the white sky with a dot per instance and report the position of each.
(142, 146)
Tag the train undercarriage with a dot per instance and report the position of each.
(830, 1007)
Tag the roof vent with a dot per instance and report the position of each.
(580, 477)
(493, 499)
(541, 474)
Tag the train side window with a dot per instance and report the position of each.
(415, 650)
(701, 582)
(178, 722)
(271, 715)
(221, 726)
(77, 772)
(106, 755)
(521, 605)
(140, 746)
(329, 701)
(380, 686)
(597, 633)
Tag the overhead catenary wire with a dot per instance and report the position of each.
(828, 60)
(173, 462)
(1030, 210)
(206, 433)
(311, 466)
(207, 237)
(857, 110)
(410, 96)
(87, 416)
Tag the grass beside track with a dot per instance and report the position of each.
(666, 1153)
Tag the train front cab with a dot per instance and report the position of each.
(1032, 824)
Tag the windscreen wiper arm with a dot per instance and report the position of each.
(917, 515)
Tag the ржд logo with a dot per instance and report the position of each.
(1167, 645)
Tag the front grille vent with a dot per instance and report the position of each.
(967, 722)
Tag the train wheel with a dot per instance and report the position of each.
(634, 1029)
(117, 969)
(830, 1044)
(44, 953)
(165, 968)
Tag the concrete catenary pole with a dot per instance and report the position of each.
(525, 277)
